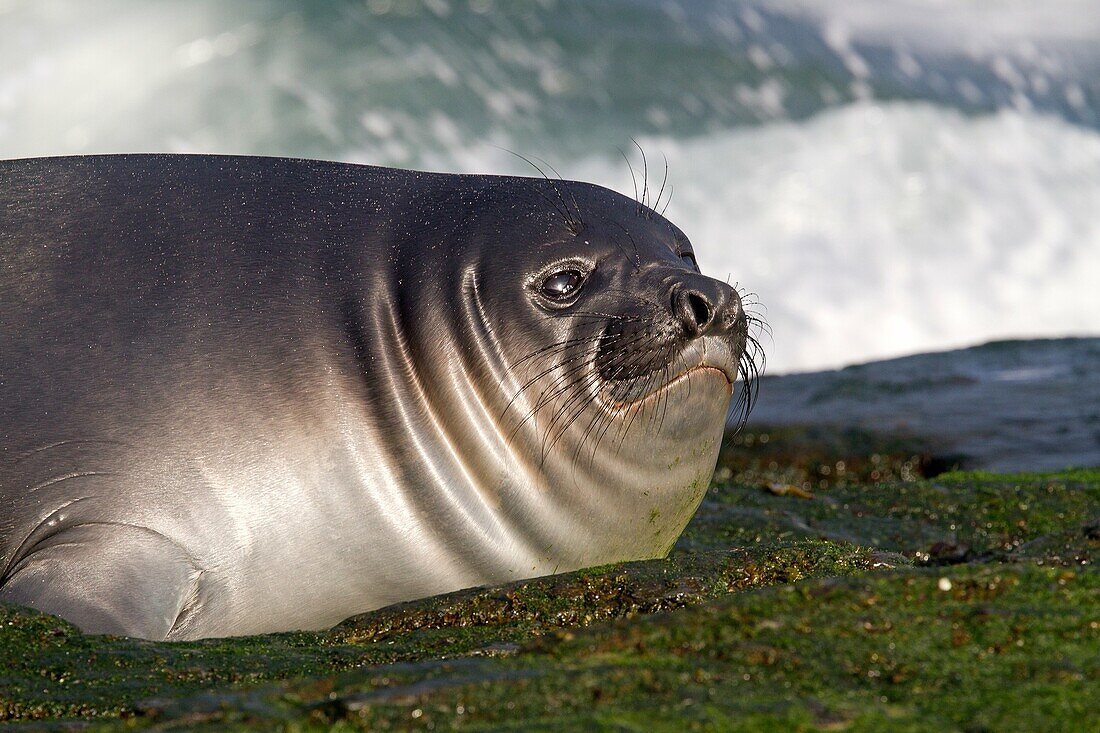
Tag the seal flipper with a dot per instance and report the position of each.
(109, 578)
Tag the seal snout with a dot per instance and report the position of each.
(706, 306)
(701, 326)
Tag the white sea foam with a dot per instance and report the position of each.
(878, 230)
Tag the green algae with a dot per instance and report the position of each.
(895, 596)
(978, 648)
(951, 518)
(889, 492)
(1002, 649)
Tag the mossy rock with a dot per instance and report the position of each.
(977, 648)
(1005, 648)
(951, 518)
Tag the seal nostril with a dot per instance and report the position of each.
(700, 309)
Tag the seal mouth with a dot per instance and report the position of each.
(698, 357)
(644, 394)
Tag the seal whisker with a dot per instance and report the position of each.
(649, 384)
(558, 345)
(645, 180)
(579, 389)
(634, 244)
(557, 387)
(621, 368)
(587, 381)
(634, 411)
(597, 418)
(671, 190)
(576, 206)
(750, 297)
(574, 222)
(759, 324)
(564, 386)
(623, 365)
(749, 372)
(664, 180)
(584, 355)
(530, 382)
(633, 178)
(661, 355)
(663, 397)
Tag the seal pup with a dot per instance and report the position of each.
(243, 395)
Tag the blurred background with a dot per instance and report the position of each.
(888, 176)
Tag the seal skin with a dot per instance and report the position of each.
(243, 395)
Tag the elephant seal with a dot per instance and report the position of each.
(245, 395)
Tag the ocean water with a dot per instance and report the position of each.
(885, 176)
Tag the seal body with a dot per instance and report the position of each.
(243, 395)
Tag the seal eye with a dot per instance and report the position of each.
(562, 285)
(690, 259)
